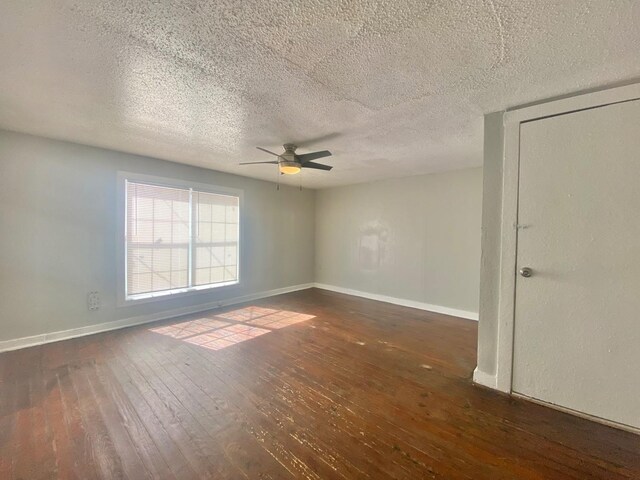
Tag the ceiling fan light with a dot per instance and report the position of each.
(289, 168)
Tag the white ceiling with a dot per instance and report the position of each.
(393, 88)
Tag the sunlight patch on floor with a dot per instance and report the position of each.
(231, 328)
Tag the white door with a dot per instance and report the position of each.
(577, 319)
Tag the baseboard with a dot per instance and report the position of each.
(24, 342)
(401, 301)
(485, 379)
(576, 413)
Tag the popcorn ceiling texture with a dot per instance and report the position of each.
(392, 88)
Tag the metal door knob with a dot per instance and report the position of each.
(526, 272)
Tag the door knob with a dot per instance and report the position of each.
(526, 272)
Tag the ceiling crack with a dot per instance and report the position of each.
(498, 20)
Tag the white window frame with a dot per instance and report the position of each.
(127, 300)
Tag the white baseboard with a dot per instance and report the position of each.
(485, 379)
(401, 301)
(593, 418)
(24, 342)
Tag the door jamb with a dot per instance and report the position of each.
(510, 178)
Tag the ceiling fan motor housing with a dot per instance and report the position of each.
(289, 155)
(289, 148)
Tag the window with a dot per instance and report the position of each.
(178, 239)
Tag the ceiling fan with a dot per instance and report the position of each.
(289, 163)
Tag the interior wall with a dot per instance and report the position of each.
(58, 221)
(415, 239)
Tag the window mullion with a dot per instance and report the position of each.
(191, 269)
(127, 216)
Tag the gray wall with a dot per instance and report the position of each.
(414, 238)
(58, 234)
(491, 243)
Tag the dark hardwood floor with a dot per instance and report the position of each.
(311, 385)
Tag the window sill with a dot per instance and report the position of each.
(173, 294)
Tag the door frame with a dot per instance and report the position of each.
(512, 120)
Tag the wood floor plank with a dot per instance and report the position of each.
(400, 411)
(182, 401)
(112, 417)
(84, 464)
(240, 398)
(334, 406)
(63, 447)
(289, 400)
(220, 416)
(140, 440)
(44, 454)
(7, 420)
(169, 451)
(267, 422)
(24, 440)
(174, 419)
(356, 390)
(99, 441)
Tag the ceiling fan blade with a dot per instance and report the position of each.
(317, 166)
(254, 163)
(307, 157)
(267, 151)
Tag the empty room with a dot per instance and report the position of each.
(362, 239)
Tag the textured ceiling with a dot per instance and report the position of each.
(391, 87)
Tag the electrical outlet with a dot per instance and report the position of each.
(93, 301)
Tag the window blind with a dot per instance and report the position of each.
(179, 238)
(216, 241)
